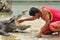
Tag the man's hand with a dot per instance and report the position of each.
(20, 21)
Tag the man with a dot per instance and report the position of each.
(50, 15)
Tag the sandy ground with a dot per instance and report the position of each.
(30, 32)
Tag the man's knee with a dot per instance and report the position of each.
(54, 26)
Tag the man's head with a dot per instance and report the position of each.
(34, 12)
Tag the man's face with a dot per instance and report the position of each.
(37, 15)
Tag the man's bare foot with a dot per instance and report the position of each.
(58, 34)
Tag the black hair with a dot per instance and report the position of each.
(33, 11)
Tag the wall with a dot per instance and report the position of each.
(18, 7)
(33, 0)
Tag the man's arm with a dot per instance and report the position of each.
(47, 17)
(30, 19)
(27, 19)
(47, 20)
